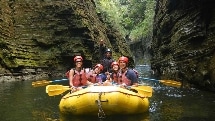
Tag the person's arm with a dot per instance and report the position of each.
(102, 49)
(133, 77)
(135, 84)
(71, 75)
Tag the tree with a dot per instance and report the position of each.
(133, 18)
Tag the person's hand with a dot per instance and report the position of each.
(100, 84)
(73, 89)
(108, 80)
(135, 85)
(79, 88)
(101, 42)
(91, 85)
(97, 84)
(107, 83)
(123, 85)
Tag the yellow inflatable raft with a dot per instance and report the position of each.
(103, 100)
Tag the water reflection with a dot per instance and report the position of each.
(20, 102)
(138, 117)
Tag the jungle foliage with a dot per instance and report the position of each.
(133, 18)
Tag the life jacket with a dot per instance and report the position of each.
(122, 78)
(79, 78)
(91, 77)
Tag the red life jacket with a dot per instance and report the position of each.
(86, 70)
(91, 77)
(79, 78)
(123, 79)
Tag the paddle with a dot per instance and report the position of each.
(143, 90)
(166, 82)
(45, 82)
(53, 90)
(171, 83)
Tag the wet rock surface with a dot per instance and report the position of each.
(47, 34)
(183, 46)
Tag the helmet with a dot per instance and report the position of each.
(108, 50)
(78, 58)
(123, 58)
(114, 63)
(100, 66)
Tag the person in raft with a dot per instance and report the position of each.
(78, 75)
(126, 76)
(95, 76)
(106, 57)
(113, 77)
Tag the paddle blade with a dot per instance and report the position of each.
(144, 90)
(171, 83)
(53, 90)
(40, 83)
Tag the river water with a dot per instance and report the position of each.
(19, 101)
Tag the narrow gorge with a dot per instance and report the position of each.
(39, 39)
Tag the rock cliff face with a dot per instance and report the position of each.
(38, 36)
(184, 41)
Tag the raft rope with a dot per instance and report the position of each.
(101, 113)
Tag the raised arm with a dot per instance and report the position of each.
(102, 49)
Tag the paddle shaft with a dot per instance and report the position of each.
(53, 90)
(143, 90)
(46, 82)
(166, 82)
